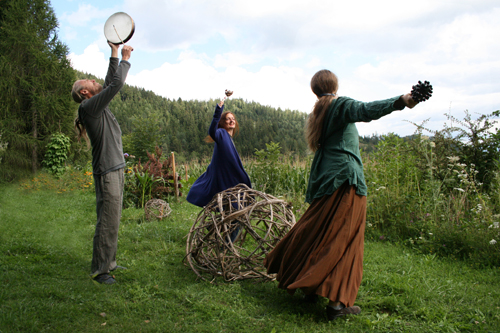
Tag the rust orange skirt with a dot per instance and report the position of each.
(323, 253)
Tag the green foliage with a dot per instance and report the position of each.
(145, 136)
(414, 198)
(267, 167)
(151, 180)
(276, 174)
(36, 81)
(56, 154)
(472, 140)
(3, 147)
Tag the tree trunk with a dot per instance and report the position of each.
(34, 157)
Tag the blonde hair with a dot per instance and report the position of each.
(323, 82)
(222, 124)
(75, 92)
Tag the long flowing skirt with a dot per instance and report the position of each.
(323, 253)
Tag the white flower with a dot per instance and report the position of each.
(453, 158)
(459, 189)
(432, 144)
(381, 188)
(493, 242)
(430, 233)
(496, 225)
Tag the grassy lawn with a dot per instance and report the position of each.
(46, 248)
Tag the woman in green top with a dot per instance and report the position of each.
(323, 253)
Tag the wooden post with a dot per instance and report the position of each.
(175, 178)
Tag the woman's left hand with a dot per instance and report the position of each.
(221, 103)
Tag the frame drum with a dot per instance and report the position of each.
(119, 28)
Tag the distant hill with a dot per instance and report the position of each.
(147, 119)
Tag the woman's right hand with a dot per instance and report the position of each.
(409, 101)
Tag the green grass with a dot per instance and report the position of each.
(46, 248)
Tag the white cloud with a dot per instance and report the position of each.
(195, 79)
(91, 61)
(234, 59)
(84, 15)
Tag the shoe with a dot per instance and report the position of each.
(118, 267)
(333, 314)
(104, 279)
(311, 298)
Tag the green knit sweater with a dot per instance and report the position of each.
(338, 159)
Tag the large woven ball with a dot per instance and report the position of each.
(233, 233)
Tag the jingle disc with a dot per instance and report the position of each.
(119, 28)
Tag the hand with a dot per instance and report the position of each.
(408, 101)
(114, 49)
(221, 103)
(126, 52)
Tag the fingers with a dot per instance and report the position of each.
(126, 52)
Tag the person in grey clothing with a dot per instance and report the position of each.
(96, 122)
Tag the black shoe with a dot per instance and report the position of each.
(311, 298)
(104, 279)
(332, 314)
(118, 267)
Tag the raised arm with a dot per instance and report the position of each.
(113, 64)
(219, 108)
(96, 104)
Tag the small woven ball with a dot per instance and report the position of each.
(156, 208)
(234, 232)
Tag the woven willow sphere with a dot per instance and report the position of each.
(156, 208)
(254, 221)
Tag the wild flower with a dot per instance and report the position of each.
(453, 159)
(493, 242)
(459, 189)
(432, 144)
(495, 225)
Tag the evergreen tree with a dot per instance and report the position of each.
(35, 99)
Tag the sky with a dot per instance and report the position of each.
(267, 51)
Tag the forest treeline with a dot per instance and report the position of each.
(147, 120)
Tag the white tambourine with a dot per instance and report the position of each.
(119, 28)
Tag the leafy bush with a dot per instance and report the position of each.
(421, 193)
(149, 180)
(56, 154)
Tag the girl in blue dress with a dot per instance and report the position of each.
(225, 169)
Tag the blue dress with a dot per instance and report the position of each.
(225, 169)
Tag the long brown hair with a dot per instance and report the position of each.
(222, 124)
(81, 132)
(323, 82)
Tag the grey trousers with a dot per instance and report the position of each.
(109, 198)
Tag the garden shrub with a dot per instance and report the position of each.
(56, 154)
